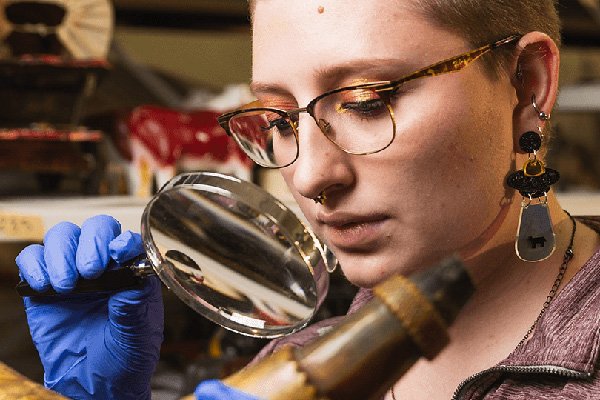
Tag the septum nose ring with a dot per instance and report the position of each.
(320, 199)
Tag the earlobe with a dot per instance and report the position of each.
(535, 81)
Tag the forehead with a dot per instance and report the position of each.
(294, 40)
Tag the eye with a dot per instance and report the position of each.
(366, 108)
(281, 126)
(363, 103)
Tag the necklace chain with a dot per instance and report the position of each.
(557, 282)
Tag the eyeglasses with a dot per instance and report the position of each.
(358, 119)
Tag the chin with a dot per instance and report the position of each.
(364, 282)
(365, 273)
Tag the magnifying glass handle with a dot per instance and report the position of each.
(128, 276)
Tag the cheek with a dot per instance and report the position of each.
(468, 147)
(287, 173)
(457, 150)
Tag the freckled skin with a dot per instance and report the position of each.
(441, 182)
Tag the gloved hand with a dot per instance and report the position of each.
(217, 390)
(98, 345)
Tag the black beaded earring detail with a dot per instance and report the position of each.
(535, 239)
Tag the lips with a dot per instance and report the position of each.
(353, 232)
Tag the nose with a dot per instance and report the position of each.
(321, 165)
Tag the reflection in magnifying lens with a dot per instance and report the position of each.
(235, 254)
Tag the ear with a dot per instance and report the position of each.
(535, 74)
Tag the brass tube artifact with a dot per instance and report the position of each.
(14, 386)
(372, 348)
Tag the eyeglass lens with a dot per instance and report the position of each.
(359, 121)
(267, 136)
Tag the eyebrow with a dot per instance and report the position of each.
(330, 77)
(268, 88)
(390, 68)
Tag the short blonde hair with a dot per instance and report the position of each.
(482, 22)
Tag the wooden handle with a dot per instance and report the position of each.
(14, 386)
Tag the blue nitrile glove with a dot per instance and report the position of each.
(217, 390)
(95, 345)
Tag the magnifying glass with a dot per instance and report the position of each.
(230, 251)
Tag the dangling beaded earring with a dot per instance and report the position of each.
(535, 240)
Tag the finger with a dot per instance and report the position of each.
(213, 389)
(32, 267)
(92, 253)
(126, 246)
(60, 246)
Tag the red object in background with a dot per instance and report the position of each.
(170, 135)
(163, 141)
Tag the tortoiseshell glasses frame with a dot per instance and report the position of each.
(258, 130)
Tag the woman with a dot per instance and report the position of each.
(395, 176)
